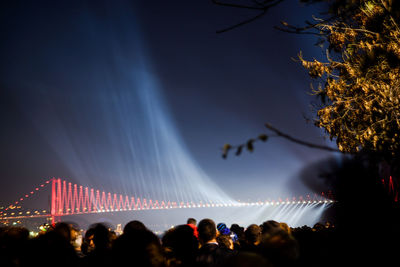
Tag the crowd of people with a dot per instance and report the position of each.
(205, 243)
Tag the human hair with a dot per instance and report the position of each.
(207, 230)
(180, 245)
(133, 226)
(280, 247)
(101, 236)
(253, 234)
(284, 226)
(191, 221)
(141, 247)
(225, 241)
(269, 226)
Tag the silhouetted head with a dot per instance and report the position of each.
(285, 227)
(133, 226)
(191, 221)
(139, 248)
(238, 230)
(181, 244)
(57, 248)
(269, 226)
(64, 229)
(13, 245)
(225, 241)
(279, 247)
(253, 234)
(207, 230)
(101, 236)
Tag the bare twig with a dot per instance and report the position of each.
(263, 7)
(242, 22)
(258, 7)
(298, 141)
(249, 145)
(297, 31)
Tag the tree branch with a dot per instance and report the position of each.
(249, 145)
(242, 23)
(298, 141)
(264, 7)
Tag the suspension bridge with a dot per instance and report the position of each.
(72, 199)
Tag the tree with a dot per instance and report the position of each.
(359, 84)
(360, 91)
(358, 87)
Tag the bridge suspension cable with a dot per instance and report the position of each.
(69, 199)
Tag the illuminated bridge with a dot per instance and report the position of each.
(71, 199)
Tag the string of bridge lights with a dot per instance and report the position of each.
(9, 210)
(94, 198)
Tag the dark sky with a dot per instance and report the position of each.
(140, 96)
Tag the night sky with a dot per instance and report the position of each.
(139, 97)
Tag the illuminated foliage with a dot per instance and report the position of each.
(359, 84)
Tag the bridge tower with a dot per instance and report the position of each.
(54, 209)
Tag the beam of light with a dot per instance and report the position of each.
(295, 215)
(286, 214)
(105, 119)
(117, 133)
